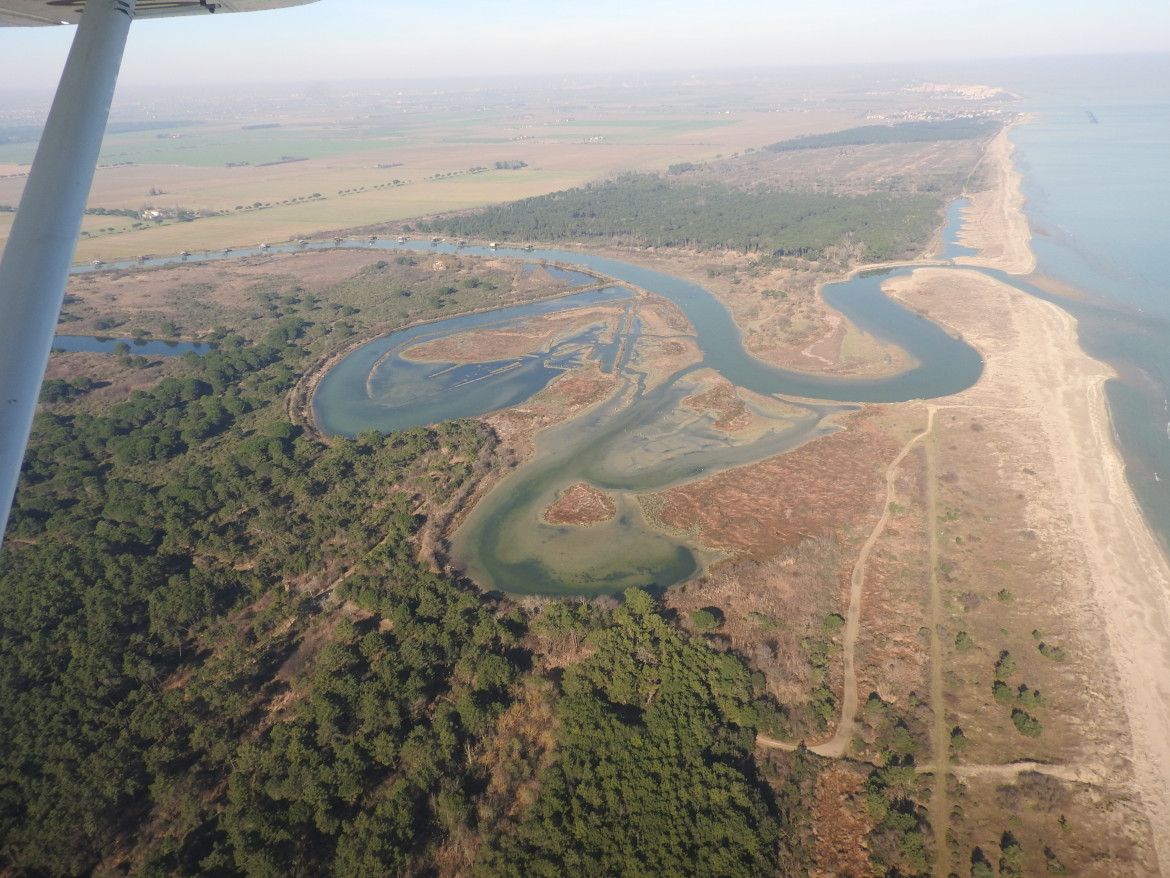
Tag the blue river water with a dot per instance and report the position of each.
(1094, 154)
(153, 347)
(374, 388)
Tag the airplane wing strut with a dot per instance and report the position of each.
(35, 266)
(36, 261)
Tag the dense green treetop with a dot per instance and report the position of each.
(220, 655)
(645, 210)
(655, 775)
(925, 131)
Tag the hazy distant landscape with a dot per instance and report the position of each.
(374, 154)
(232, 643)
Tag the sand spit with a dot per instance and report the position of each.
(994, 222)
(1113, 566)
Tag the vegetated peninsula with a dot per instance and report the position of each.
(231, 646)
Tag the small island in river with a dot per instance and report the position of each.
(581, 504)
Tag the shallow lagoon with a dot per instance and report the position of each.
(375, 387)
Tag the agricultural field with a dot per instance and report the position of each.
(279, 165)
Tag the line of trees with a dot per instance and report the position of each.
(925, 131)
(647, 211)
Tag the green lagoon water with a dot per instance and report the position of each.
(1096, 160)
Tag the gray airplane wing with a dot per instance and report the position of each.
(31, 13)
(34, 266)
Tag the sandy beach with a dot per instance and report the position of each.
(1049, 395)
(993, 221)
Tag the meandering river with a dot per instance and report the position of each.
(641, 439)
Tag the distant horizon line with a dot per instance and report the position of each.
(607, 76)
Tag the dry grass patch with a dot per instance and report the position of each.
(841, 824)
(892, 654)
(781, 617)
(1060, 827)
(1006, 581)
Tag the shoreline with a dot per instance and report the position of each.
(1115, 575)
(994, 222)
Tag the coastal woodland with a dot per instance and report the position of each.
(222, 655)
(228, 645)
(644, 210)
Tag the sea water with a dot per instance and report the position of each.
(1096, 162)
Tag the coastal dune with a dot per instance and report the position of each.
(1117, 580)
(994, 220)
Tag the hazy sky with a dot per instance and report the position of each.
(373, 39)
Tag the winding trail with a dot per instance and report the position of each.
(941, 767)
(839, 743)
(836, 746)
(1118, 578)
(939, 811)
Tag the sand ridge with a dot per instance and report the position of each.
(994, 222)
(1034, 363)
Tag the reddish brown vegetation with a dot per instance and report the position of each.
(581, 504)
(840, 826)
(770, 610)
(755, 511)
(731, 412)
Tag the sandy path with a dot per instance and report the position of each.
(1035, 362)
(1110, 558)
(839, 743)
(996, 226)
(1088, 774)
(940, 743)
